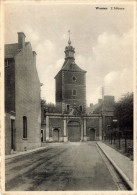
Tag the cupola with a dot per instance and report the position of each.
(69, 50)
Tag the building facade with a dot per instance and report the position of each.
(64, 127)
(71, 123)
(71, 84)
(22, 97)
(105, 107)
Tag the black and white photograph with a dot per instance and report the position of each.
(69, 90)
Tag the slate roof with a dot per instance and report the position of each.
(11, 50)
(69, 64)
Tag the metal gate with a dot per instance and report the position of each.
(74, 131)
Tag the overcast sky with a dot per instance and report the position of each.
(103, 41)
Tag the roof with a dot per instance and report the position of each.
(12, 50)
(69, 64)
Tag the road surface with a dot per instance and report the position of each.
(75, 166)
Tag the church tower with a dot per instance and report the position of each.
(71, 85)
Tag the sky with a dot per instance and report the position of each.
(103, 42)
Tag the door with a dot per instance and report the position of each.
(12, 134)
(92, 134)
(74, 132)
(56, 135)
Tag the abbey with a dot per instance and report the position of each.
(71, 122)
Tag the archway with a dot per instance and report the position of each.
(92, 134)
(74, 131)
(56, 135)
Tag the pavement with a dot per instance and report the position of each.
(122, 164)
(77, 164)
(23, 153)
(72, 166)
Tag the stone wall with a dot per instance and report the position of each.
(92, 123)
(62, 123)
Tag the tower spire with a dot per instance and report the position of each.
(69, 42)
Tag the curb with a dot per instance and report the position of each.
(24, 154)
(124, 177)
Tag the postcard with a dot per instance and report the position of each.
(68, 97)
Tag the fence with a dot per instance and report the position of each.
(121, 140)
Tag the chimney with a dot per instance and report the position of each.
(21, 40)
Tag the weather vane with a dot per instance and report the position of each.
(69, 42)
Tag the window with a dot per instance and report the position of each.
(6, 63)
(24, 127)
(74, 92)
(68, 107)
(81, 108)
(74, 78)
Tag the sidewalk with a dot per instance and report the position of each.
(24, 152)
(121, 163)
(44, 146)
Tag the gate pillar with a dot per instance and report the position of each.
(82, 132)
(65, 131)
(85, 129)
(100, 128)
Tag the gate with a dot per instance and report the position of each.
(74, 131)
(56, 135)
(92, 134)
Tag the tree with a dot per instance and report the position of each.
(124, 112)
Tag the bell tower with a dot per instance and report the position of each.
(71, 84)
(69, 50)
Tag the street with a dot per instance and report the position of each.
(74, 166)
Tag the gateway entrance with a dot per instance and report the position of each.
(56, 135)
(92, 134)
(74, 131)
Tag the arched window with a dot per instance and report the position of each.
(24, 127)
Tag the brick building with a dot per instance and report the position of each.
(70, 84)
(22, 97)
(105, 107)
(72, 123)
